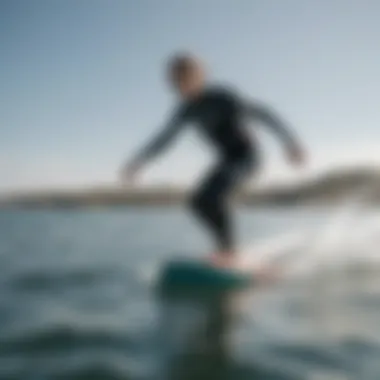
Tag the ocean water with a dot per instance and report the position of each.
(78, 299)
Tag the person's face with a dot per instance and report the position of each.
(189, 83)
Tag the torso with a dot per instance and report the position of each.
(219, 116)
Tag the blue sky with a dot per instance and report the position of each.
(82, 82)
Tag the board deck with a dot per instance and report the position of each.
(197, 273)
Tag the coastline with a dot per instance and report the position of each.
(327, 188)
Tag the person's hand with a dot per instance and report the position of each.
(296, 155)
(129, 173)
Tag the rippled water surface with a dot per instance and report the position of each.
(77, 301)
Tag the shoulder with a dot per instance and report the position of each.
(223, 91)
(231, 95)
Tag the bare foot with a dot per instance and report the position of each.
(223, 259)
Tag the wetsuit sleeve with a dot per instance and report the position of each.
(270, 119)
(161, 141)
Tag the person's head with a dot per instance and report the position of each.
(186, 74)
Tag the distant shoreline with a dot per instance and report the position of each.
(328, 188)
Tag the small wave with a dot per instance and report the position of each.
(95, 366)
(65, 337)
(42, 280)
(320, 357)
(95, 371)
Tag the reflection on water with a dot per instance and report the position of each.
(198, 332)
(197, 329)
(77, 303)
(324, 327)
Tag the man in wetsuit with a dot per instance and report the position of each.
(220, 114)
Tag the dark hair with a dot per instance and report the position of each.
(180, 65)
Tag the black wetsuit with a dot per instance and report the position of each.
(220, 115)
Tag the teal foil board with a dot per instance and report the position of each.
(198, 274)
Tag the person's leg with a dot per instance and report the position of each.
(210, 206)
(211, 202)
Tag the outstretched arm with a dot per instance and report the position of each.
(156, 146)
(160, 142)
(270, 119)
